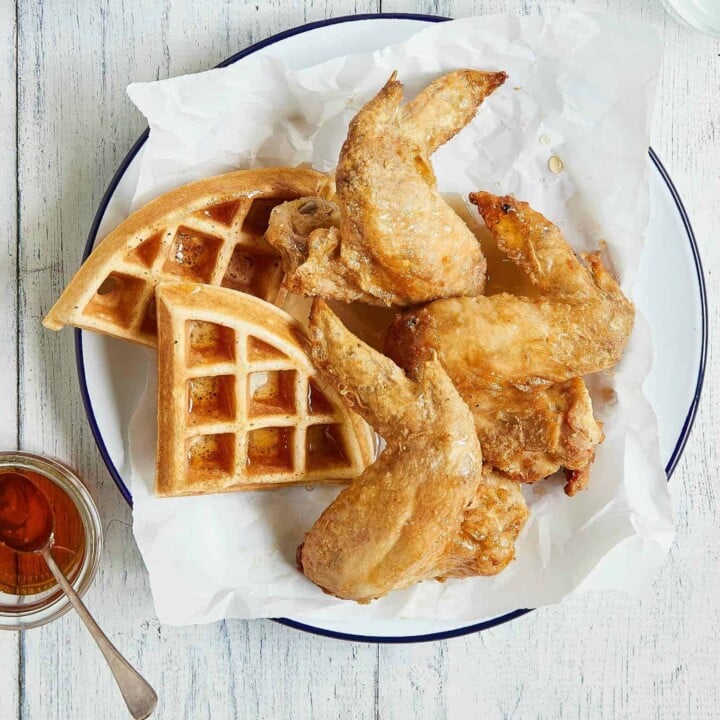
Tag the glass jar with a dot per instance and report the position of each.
(701, 14)
(21, 612)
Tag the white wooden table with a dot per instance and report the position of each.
(65, 123)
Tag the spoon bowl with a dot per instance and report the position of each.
(26, 520)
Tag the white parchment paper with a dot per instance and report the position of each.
(582, 83)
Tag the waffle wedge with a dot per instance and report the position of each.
(240, 405)
(210, 231)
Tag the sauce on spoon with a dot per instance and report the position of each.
(21, 522)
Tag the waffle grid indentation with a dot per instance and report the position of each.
(221, 244)
(244, 392)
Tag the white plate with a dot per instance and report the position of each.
(671, 295)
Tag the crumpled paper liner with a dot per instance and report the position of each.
(580, 88)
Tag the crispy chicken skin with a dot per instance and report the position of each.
(485, 544)
(529, 434)
(394, 240)
(306, 232)
(404, 519)
(505, 352)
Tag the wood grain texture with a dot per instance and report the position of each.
(9, 642)
(595, 656)
(8, 230)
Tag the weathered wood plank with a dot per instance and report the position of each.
(9, 674)
(8, 230)
(9, 642)
(412, 681)
(76, 124)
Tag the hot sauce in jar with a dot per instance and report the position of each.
(27, 574)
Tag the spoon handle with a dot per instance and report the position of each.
(139, 696)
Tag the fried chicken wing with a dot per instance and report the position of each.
(580, 323)
(405, 518)
(393, 240)
(517, 361)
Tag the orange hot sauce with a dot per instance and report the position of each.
(26, 574)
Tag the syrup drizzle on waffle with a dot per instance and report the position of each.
(252, 411)
(211, 232)
(216, 246)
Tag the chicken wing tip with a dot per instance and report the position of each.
(494, 80)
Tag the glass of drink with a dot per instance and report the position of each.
(701, 14)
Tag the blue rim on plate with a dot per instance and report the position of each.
(457, 632)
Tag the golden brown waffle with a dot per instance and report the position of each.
(240, 405)
(210, 231)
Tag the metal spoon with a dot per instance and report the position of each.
(26, 526)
